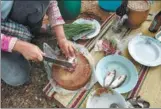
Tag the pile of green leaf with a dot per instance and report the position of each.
(75, 29)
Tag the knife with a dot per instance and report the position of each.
(58, 61)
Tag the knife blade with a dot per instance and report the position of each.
(58, 61)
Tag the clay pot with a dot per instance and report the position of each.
(137, 13)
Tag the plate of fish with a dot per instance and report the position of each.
(116, 72)
(145, 50)
(105, 98)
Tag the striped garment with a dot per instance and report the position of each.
(11, 31)
(19, 31)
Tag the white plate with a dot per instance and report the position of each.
(89, 21)
(145, 50)
(105, 100)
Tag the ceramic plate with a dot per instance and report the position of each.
(122, 66)
(105, 100)
(90, 21)
(145, 50)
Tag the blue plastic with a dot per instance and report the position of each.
(109, 5)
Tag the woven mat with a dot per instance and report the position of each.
(148, 87)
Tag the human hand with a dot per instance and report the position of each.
(29, 51)
(67, 47)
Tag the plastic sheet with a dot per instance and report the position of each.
(48, 50)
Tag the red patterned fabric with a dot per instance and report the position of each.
(54, 14)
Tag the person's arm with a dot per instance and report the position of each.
(56, 22)
(28, 50)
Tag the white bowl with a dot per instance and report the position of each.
(105, 100)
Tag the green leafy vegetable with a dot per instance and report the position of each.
(75, 29)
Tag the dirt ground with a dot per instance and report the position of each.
(31, 95)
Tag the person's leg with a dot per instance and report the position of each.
(14, 68)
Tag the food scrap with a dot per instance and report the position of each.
(107, 46)
(102, 90)
(72, 60)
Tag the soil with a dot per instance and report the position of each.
(31, 95)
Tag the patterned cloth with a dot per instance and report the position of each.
(10, 28)
(14, 29)
(54, 14)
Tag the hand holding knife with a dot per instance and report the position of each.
(58, 61)
(50, 56)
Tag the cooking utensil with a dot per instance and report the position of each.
(49, 51)
(58, 61)
(51, 56)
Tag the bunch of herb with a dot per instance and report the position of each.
(75, 29)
